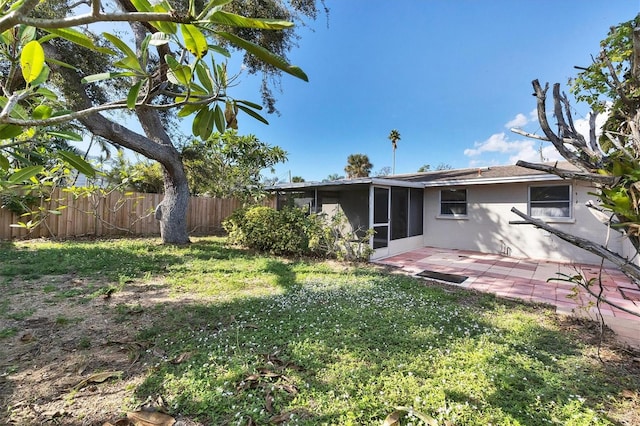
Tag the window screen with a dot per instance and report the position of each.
(550, 201)
(453, 202)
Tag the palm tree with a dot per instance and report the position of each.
(394, 137)
(358, 165)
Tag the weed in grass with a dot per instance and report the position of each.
(49, 288)
(8, 332)
(84, 343)
(21, 315)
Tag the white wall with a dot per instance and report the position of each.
(486, 227)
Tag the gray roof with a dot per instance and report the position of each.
(482, 175)
(470, 176)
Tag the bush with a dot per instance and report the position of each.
(292, 231)
(286, 231)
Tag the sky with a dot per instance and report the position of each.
(452, 76)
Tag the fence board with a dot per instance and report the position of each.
(117, 214)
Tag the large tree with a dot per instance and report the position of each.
(165, 63)
(358, 165)
(609, 160)
(394, 137)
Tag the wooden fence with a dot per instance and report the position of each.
(114, 214)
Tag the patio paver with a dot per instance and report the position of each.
(526, 279)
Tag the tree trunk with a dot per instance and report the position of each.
(172, 211)
(156, 145)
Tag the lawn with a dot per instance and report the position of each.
(218, 335)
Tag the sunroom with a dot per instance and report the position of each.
(392, 208)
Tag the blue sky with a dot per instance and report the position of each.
(450, 75)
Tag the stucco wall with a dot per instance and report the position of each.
(486, 227)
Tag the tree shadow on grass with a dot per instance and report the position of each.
(332, 355)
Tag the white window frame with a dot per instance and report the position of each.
(454, 215)
(569, 202)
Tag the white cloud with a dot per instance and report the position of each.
(522, 149)
(498, 142)
(520, 120)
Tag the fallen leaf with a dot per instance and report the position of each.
(149, 418)
(393, 419)
(268, 402)
(280, 418)
(628, 394)
(97, 378)
(181, 358)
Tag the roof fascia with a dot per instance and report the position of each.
(489, 181)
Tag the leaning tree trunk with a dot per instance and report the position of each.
(154, 144)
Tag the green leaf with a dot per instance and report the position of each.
(10, 131)
(178, 74)
(26, 34)
(42, 77)
(212, 7)
(130, 63)
(264, 55)
(194, 40)
(122, 46)
(78, 38)
(32, 61)
(253, 114)
(106, 75)
(4, 163)
(132, 97)
(203, 123)
(250, 104)
(187, 110)
(66, 135)
(219, 119)
(164, 26)
(221, 50)
(42, 112)
(142, 5)
(204, 75)
(62, 64)
(78, 163)
(225, 18)
(24, 174)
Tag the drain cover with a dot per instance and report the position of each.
(452, 278)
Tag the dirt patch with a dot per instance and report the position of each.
(62, 336)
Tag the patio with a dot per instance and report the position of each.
(526, 279)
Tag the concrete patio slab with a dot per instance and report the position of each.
(528, 280)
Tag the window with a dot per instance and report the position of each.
(453, 202)
(550, 201)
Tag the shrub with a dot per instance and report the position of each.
(293, 231)
(287, 231)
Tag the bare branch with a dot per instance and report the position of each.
(629, 269)
(536, 136)
(569, 174)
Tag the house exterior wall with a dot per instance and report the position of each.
(486, 227)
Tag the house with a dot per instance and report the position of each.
(465, 209)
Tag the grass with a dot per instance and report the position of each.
(314, 342)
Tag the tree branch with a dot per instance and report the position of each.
(629, 269)
(89, 18)
(569, 174)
